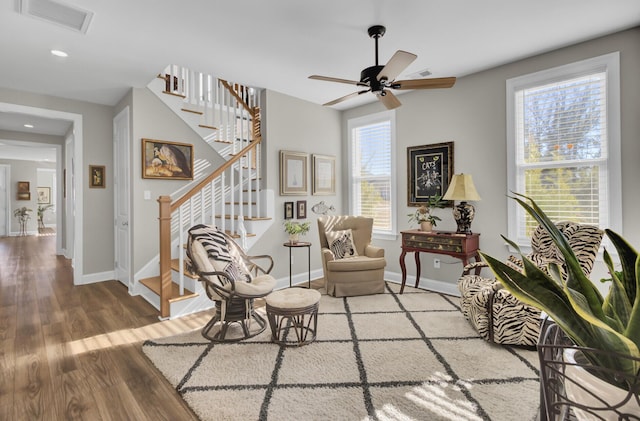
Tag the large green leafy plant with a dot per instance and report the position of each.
(610, 323)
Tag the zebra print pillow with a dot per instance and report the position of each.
(341, 243)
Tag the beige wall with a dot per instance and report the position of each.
(97, 149)
(473, 115)
(295, 125)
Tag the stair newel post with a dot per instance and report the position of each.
(165, 254)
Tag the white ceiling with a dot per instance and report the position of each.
(277, 44)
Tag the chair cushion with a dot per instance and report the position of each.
(258, 287)
(291, 298)
(356, 263)
(341, 243)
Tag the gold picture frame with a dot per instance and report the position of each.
(97, 174)
(24, 192)
(324, 175)
(164, 160)
(293, 173)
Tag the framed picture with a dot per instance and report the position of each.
(430, 169)
(324, 175)
(23, 191)
(293, 173)
(288, 210)
(44, 195)
(96, 176)
(302, 209)
(167, 160)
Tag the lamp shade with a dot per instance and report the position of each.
(461, 188)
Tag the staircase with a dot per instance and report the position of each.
(227, 117)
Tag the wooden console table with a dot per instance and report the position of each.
(461, 246)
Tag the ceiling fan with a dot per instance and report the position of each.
(380, 79)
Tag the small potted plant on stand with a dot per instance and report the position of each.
(423, 214)
(23, 214)
(295, 229)
(604, 332)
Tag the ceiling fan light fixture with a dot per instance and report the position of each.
(380, 78)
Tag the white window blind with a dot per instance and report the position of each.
(561, 139)
(372, 171)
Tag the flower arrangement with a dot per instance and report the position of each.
(423, 213)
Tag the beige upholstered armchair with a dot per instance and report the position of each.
(352, 266)
(500, 317)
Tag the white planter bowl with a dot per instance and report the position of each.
(584, 388)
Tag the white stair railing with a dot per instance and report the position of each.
(233, 110)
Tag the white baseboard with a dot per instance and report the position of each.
(92, 278)
(425, 283)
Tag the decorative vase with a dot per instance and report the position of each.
(596, 395)
(426, 226)
(293, 238)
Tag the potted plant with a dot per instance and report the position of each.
(423, 214)
(23, 214)
(41, 210)
(295, 229)
(608, 326)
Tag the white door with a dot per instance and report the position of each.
(4, 201)
(121, 177)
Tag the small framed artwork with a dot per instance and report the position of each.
(23, 191)
(430, 169)
(167, 160)
(44, 195)
(324, 175)
(288, 210)
(293, 173)
(302, 209)
(96, 176)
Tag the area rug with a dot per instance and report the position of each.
(380, 357)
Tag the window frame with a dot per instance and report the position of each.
(608, 63)
(354, 123)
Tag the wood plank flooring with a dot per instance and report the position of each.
(73, 352)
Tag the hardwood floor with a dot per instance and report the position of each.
(73, 352)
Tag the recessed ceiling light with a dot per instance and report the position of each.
(29, 126)
(59, 53)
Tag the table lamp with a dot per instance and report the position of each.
(462, 188)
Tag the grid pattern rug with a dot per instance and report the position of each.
(380, 357)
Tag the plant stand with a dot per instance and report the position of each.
(566, 396)
(23, 225)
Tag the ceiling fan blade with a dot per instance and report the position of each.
(346, 97)
(396, 64)
(389, 100)
(434, 83)
(335, 79)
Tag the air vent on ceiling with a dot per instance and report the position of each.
(68, 16)
(420, 74)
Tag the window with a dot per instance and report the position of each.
(563, 144)
(372, 170)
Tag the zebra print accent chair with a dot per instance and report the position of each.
(500, 317)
